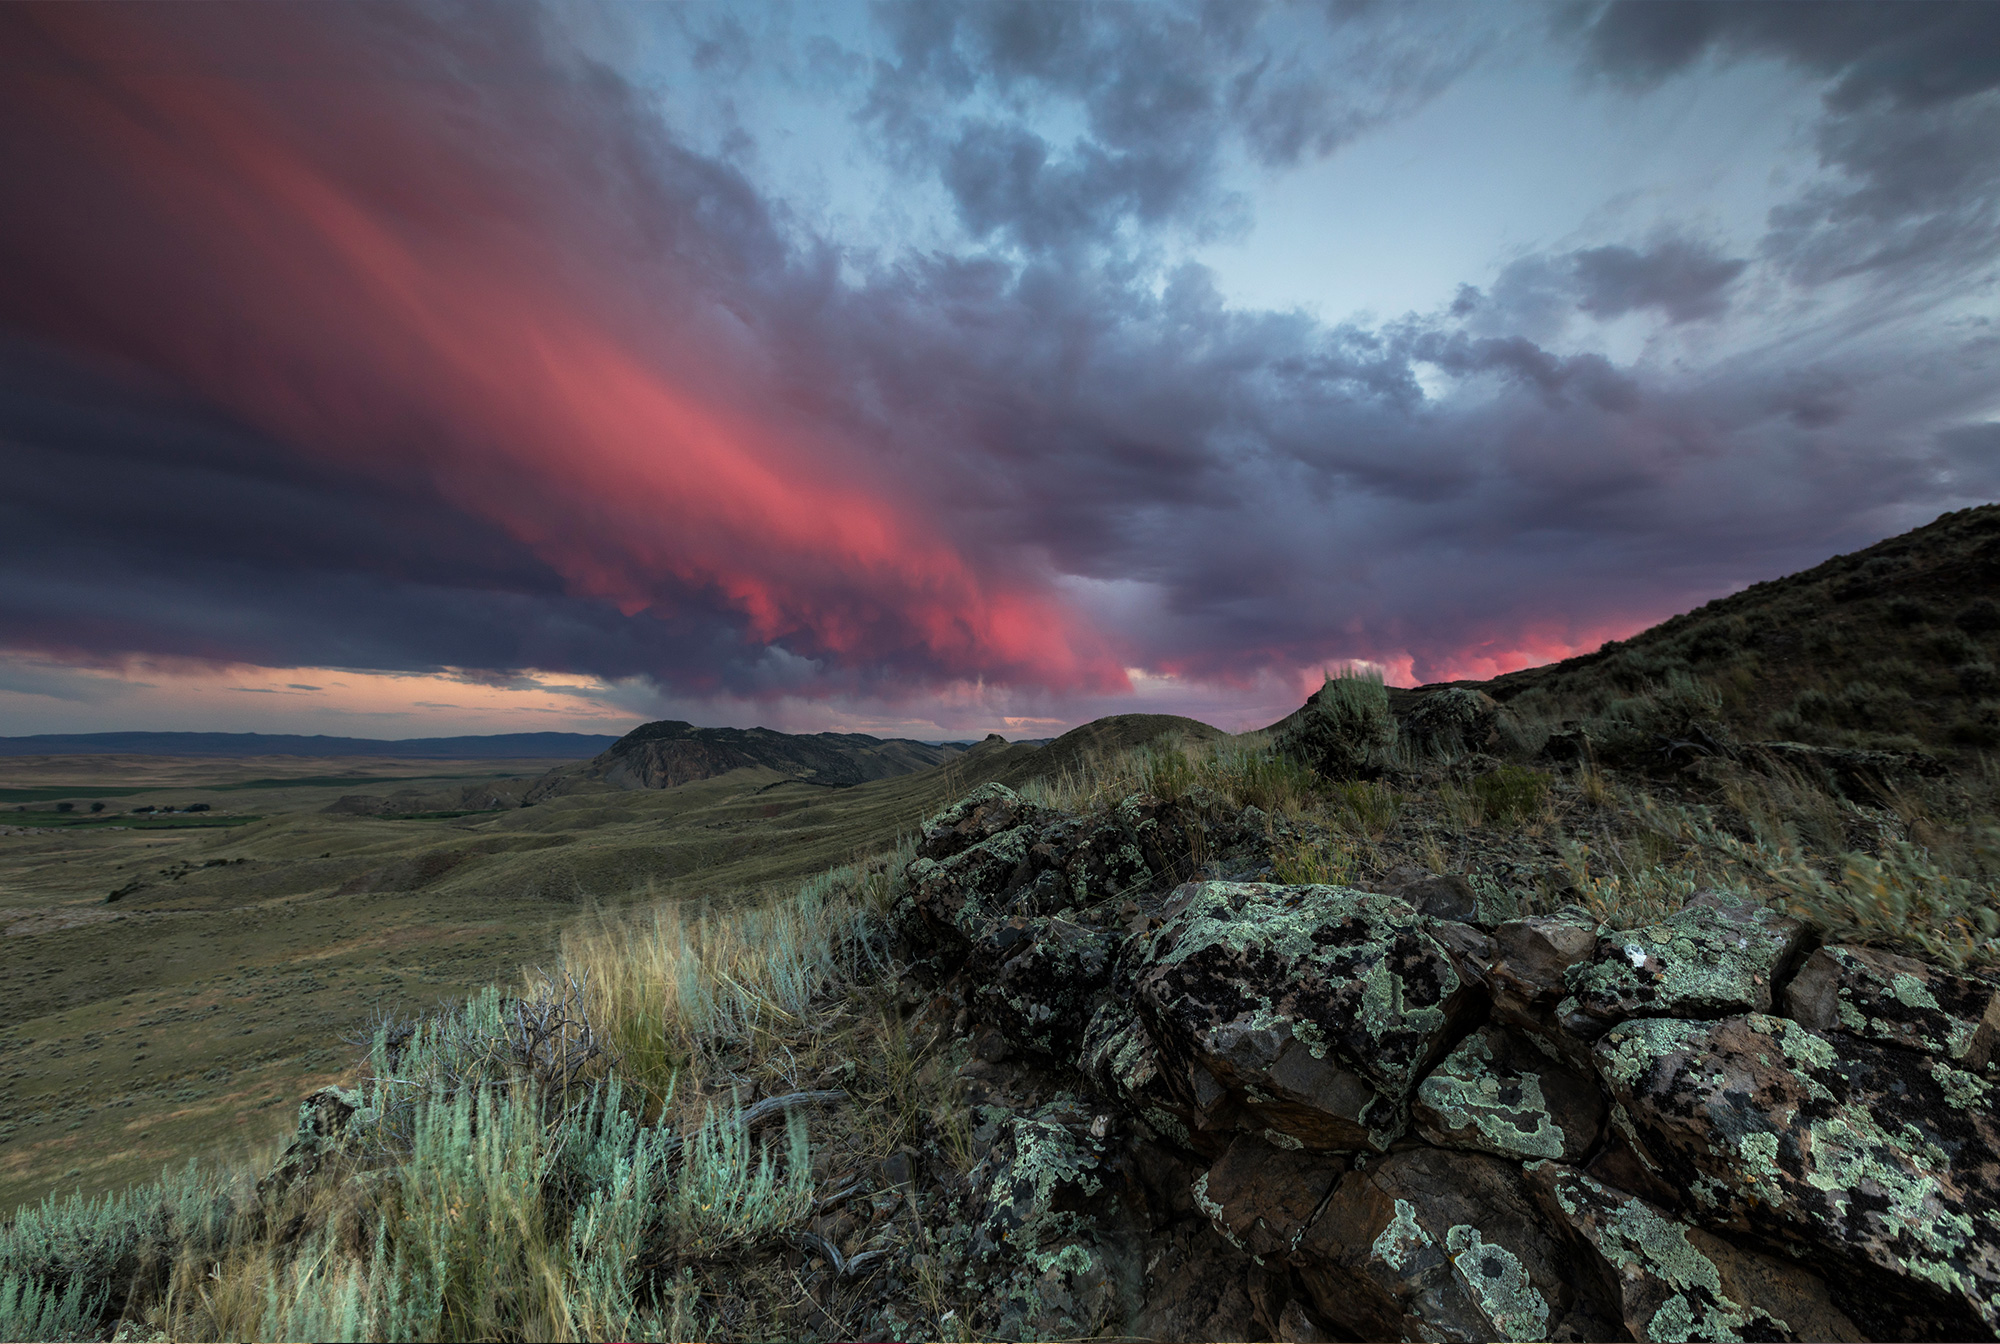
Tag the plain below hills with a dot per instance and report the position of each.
(504, 746)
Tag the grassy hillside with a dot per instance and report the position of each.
(1889, 648)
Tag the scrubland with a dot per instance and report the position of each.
(648, 1065)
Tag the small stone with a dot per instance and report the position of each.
(1260, 1197)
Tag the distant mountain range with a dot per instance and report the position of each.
(493, 746)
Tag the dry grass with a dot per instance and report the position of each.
(1236, 772)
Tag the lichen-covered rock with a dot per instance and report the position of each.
(1716, 957)
(1034, 979)
(1677, 1282)
(1119, 1057)
(1260, 1197)
(1501, 1093)
(1532, 955)
(1436, 1245)
(1048, 1250)
(1877, 1167)
(1086, 860)
(979, 816)
(958, 896)
(1439, 895)
(1316, 1009)
(1898, 1001)
(333, 1124)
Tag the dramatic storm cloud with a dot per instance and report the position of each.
(954, 367)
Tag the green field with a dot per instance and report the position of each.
(189, 1016)
(55, 793)
(180, 821)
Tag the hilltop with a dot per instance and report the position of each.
(671, 752)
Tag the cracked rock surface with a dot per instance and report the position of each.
(1242, 1109)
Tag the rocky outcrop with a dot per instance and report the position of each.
(1454, 719)
(1673, 1281)
(1502, 1093)
(1717, 956)
(1315, 1112)
(1874, 1166)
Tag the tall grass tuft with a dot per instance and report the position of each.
(1345, 728)
(1941, 902)
(669, 984)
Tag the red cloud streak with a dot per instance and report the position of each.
(414, 263)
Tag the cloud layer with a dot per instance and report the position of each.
(405, 339)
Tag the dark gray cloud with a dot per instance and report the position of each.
(1229, 491)
(1911, 126)
(1910, 52)
(138, 522)
(1682, 279)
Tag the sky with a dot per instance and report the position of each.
(929, 370)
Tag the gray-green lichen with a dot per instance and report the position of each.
(1241, 971)
(1704, 961)
(1848, 1148)
(1498, 1282)
(1473, 1105)
(1400, 1243)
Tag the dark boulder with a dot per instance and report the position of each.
(1676, 1282)
(1717, 957)
(1454, 720)
(1034, 979)
(1897, 1000)
(333, 1125)
(979, 816)
(1260, 1197)
(1437, 1245)
(1876, 1167)
(1083, 861)
(1051, 1248)
(1313, 1009)
(984, 865)
(1123, 1063)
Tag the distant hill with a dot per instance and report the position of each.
(491, 746)
(670, 752)
(1100, 738)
